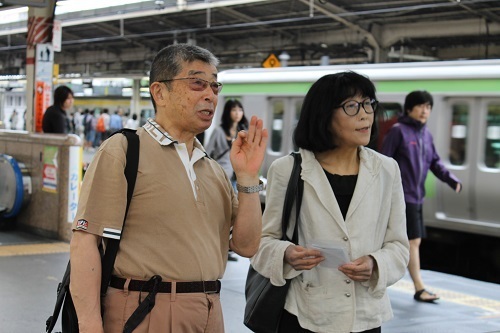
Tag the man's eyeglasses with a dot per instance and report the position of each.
(351, 108)
(197, 84)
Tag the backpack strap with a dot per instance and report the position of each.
(108, 260)
(131, 167)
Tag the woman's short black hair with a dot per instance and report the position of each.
(314, 131)
(417, 97)
(61, 94)
(227, 122)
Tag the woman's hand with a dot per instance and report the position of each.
(360, 269)
(301, 258)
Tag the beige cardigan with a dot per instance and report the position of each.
(324, 299)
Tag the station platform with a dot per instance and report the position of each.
(31, 268)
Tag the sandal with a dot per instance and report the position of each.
(418, 296)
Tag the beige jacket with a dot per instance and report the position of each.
(324, 299)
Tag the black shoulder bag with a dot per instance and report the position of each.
(265, 302)
(64, 302)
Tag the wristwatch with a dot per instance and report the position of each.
(250, 189)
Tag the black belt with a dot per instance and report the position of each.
(207, 287)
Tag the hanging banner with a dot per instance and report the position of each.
(41, 103)
(57, 36)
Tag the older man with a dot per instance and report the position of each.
(181, 213)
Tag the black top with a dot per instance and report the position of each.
(55, 120)
(343, 188)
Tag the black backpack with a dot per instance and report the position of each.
(64, 301)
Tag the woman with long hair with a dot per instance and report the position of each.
(218, 147)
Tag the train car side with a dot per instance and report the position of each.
(465, 123)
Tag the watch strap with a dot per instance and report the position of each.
(250, 189)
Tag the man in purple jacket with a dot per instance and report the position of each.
(410, 143)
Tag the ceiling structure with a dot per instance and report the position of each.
(122, 40)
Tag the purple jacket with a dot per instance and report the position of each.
(410, 143)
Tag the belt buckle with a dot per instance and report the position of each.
(209, 291)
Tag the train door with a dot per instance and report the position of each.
(284, 115)
(487, 177)
(454, 141)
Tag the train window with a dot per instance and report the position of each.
(492, 144)
(277, 125)
(458, 133)
(298, 108)
(387, 115)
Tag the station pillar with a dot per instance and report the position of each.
(136, 98)
(39, 64)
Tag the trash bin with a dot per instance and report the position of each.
(15, 186)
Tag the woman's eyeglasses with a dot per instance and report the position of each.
(197, 84)
(351, 108)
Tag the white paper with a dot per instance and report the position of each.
(335, 253)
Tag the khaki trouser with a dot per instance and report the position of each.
(172, 313)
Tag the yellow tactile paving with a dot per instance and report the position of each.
(490, 305)
(30, 249)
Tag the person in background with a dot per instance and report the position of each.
(352, 197)
(102, 127)
(90, 131)
(124, 115)
(411, 144)
(24, 120)
(55, 119)
(13, 120)
(77, 121)
(115, 122)
(219, 144)
(218, 147)
(182, 209)
(132, 122)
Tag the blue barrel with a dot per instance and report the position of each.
(15, 186)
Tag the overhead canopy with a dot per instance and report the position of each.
(242, 33)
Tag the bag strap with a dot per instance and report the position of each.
(222, 154)
(50, 323)
(294, 192)
(131, 167)
(108, 260)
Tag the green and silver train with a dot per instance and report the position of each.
(465, 123)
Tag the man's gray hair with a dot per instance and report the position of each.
(169, 60)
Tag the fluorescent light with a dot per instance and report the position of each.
(14, 15)
(70, 6)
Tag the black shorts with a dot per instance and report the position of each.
(414, 221)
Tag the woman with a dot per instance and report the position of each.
(219, 145)
(353, 198)
(55, 119)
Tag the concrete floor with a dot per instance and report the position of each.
(31, 267)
